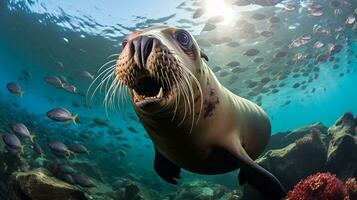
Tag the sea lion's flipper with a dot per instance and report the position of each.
(256, 176)
(165, 168)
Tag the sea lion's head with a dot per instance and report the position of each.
(161, 67)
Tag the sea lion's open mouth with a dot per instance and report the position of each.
(148, 90)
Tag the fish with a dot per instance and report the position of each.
(259, 16)
(316, 13)
(65, 169)
(54, 81)
(267, 34)
(70, 88)
(251, 52)
(79, 149)
(59, 148)
(350, 19)
(127, 146)
(242, 2)
(13, 143)
(131, 129)
(67, 178)
(209, 27)
(318, 45)
(21, 130)
(233, 44)
(122, 153)
(83, 181)
(61, 115)
(198, 13)
(274, 19)
(85, 74)
(38, 149)
(258, 60)
(15, 88)
(101, 122)
(334, 48)
(215, 19)
(289, 7)
(302, 40)
(85, 136)
(233, 64)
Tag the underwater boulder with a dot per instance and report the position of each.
(342, 151)
(38, 185)
(298, 160)
(127, 189)
(201, 190)
(282, 139)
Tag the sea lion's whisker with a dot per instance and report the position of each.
(93, 82)
(104, 77)
(185, 100)
(95, 90)
(114, 54)
(201, 93)
(176, 96)
(115, 94)
(192, 98)
(106, 64)
(109, 93)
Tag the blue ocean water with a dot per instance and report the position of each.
(51, 38)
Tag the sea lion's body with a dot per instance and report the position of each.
(194, 122)
(232, 119)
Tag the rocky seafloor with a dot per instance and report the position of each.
(291, 156)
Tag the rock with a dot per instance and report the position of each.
(296, 161)
(282, 139)
(130, 190)
(38, 185)
(342, 151)
(200, 190)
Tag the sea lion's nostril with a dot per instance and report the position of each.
(137, 49)
(143, 46)
(146, 47)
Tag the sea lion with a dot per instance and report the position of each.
(194, 122)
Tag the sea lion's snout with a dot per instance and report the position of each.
(142, 46)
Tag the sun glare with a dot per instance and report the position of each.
(219, 7)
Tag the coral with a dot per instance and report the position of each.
(351, 186)
(320, 186)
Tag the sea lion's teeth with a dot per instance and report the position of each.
(137, 97)
(160, 94)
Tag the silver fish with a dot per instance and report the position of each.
(85, 74)
(22, 130)
(70, 88)
(54, 80)
(61, 115)
(14, 88)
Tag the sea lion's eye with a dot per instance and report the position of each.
(184, 39)
(123, 43)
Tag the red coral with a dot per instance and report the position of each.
(351, 185)
(320, 186)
